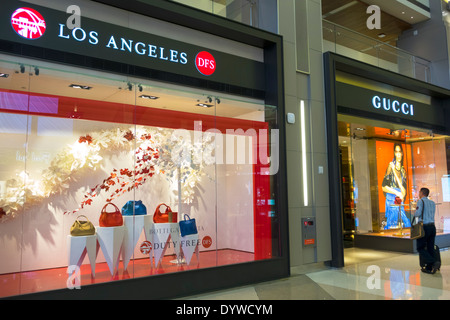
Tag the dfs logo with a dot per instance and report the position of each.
(205, 63)
(28, 23)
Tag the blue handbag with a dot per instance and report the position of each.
(134, 207)
(187, 226)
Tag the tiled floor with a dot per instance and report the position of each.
(368, 275)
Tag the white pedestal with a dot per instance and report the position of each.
(111, 241)
(160, 235)
(189, 245)
(80, 246)
(134, 225)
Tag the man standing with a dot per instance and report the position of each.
(425, 211)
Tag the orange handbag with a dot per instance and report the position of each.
(167, 217)
(110, 219)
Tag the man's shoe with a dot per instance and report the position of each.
(425, 270)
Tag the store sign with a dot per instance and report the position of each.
(28, 23)
(205, 63)
(47, 28)
(360, 101)
(396, 106)
(125, 45)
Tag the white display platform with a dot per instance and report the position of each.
(78, 248)
(160, 235)
(189, 244)
(111, 243)
(134, 225)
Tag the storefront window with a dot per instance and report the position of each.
(82, 145)
(384, 165)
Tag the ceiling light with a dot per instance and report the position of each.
(204, 105)
(4, 75)
(148, 97)
(78, 86)
(381, 35)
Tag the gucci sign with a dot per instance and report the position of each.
(393, 105)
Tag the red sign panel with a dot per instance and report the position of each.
(28, 23)
(146, 247)
(207, 242)
(205, 63)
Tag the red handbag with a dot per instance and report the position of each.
(110, 219)
(167, 217)
(398, 200)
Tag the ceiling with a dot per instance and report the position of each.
(396, 17)
(404, 10)
(54, 82)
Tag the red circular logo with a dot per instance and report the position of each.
(28, 23)
(146, 247)
(205, 63)
(207, 242)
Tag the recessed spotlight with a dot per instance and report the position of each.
(4, 75)
(79, 86)
(144, 96)
(381, 35)
(204, 105)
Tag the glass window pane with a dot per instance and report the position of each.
(80, 145)
(383, 167)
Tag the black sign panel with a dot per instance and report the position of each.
(43, 27)
(351, 99)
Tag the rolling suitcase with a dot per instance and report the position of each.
(437, 256)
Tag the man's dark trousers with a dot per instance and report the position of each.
(425, 245)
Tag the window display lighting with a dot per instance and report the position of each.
(144, 96)
(204, 105)
(78, 86)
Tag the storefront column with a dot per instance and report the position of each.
(307, 164)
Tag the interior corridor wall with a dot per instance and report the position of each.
(304, 81)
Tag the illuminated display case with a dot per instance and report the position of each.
(70, 154)
(388, 138)
(372, 154)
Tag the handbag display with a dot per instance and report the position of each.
(167, 217)
(417, 231)
(82, 228)
(188, 226)
(110, 219)
(136, 208)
